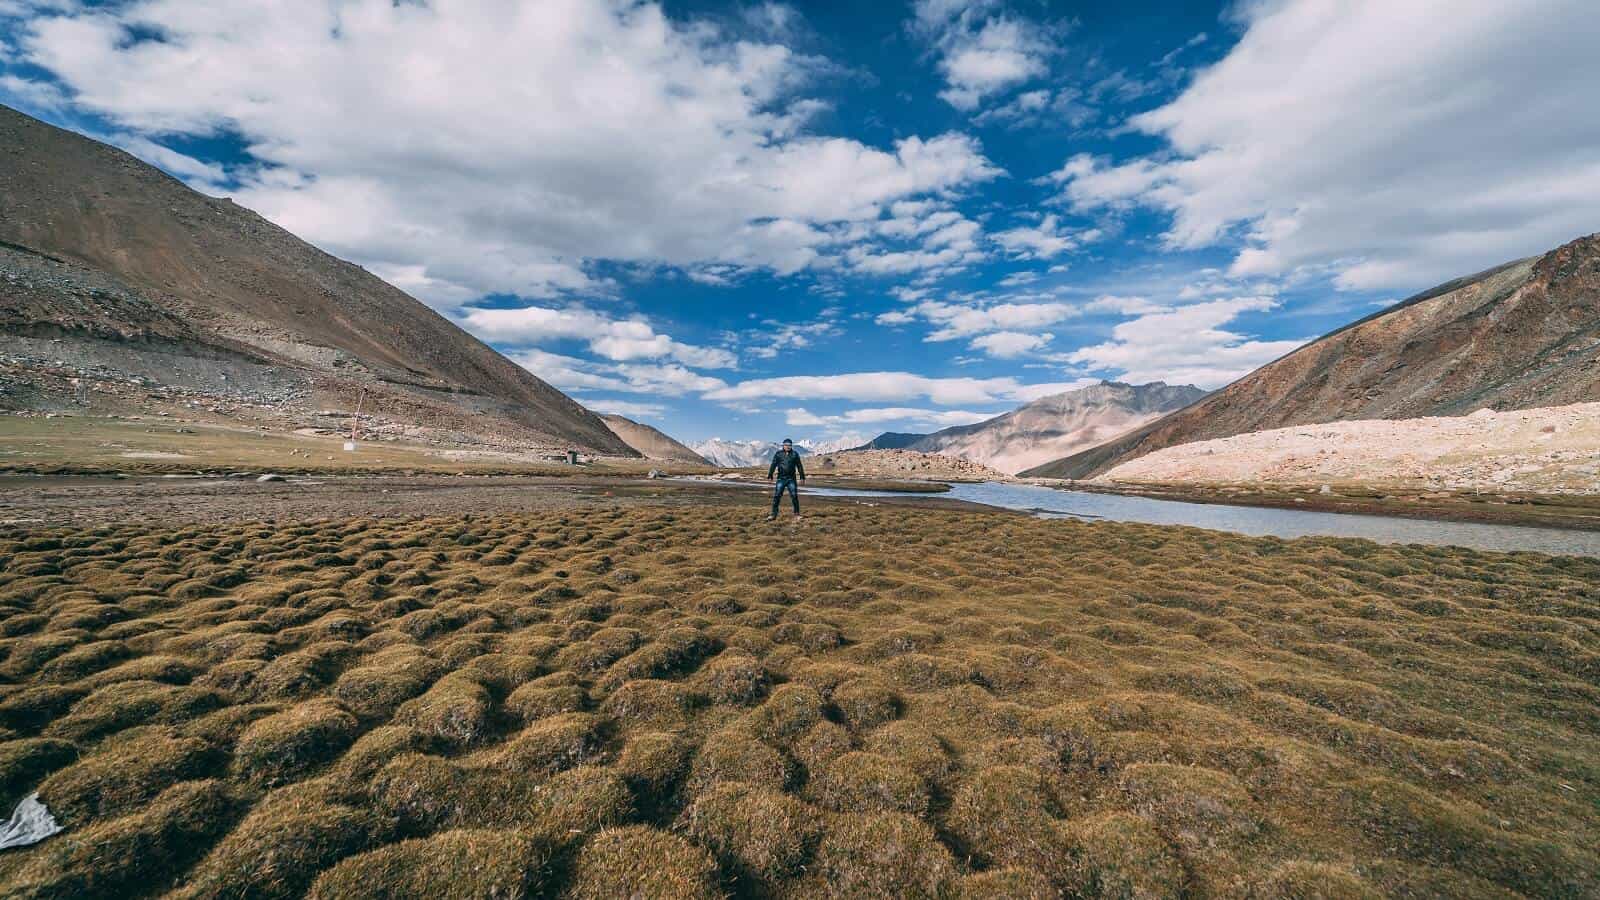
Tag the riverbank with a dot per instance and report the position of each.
(1574, 511)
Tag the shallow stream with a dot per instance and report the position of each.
(1258, 521)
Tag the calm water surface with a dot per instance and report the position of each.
(1260, 521)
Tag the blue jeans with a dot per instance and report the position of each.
(786, 484)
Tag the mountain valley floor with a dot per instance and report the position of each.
(641, 695)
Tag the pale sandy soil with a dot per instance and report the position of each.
(1551, 450)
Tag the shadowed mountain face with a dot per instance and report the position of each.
(130, 272)
(1050, 427)
(651, 442)
(1526, 334)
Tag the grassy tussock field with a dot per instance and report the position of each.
(679, 703)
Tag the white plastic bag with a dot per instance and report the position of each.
(30, 824)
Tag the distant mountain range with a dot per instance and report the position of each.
(650, 442)
(111, 267)
(740, 454)
(1050, 427)
(1522, 335)
(892, 440)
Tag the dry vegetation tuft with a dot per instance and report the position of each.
(668, 703)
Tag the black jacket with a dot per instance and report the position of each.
(787, 464)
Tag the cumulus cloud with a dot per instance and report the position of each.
(879, 415)
(628, 408)
(1045, 240)
(1395, 145)
(614, 339)
(980, 51)
(1010, 344)
(774, 337)
(1185, 345)
(869, 387)
(960, 320)
(498, 147)
(570, 373)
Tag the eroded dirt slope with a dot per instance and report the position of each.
(1523, 335)
(1549, 450)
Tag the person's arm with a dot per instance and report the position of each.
(799, 466)
(773, 467)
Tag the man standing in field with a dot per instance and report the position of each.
(786, 463)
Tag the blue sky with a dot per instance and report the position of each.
(756, 220)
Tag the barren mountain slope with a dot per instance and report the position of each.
(1522, 335)
(1548, 450)
(650, 442)
(1052, 427)
(136, 275)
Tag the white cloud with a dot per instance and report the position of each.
(1395, 144)
(1046, 240)
(1185, 345)
(1042, 108)
(202, 176)
(957, 320)
(940, 418)
(669, 380)
(569, 373)
(867, 387)
(626, 408)
(615, 339)
(979, 54)
(499, 147)
(774, 337)
(1010, 344)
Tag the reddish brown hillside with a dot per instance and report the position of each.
(1523, 335)
(128, 270)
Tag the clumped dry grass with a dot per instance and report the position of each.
(669, 703)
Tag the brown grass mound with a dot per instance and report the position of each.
(457, 865)
(868, 783)
(125, 775)
(573, 703)
(281, 846)
(643, 862)
(1003, 816)
(761, 835)
(124, 856)
(455, 710)
(1122, 855)
(881, 856)
(732, 755)
(292, 743)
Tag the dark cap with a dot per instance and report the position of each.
(787, 441)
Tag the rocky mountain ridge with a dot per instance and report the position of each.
(1522, 335)
(652, 443)
(1050, 427)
